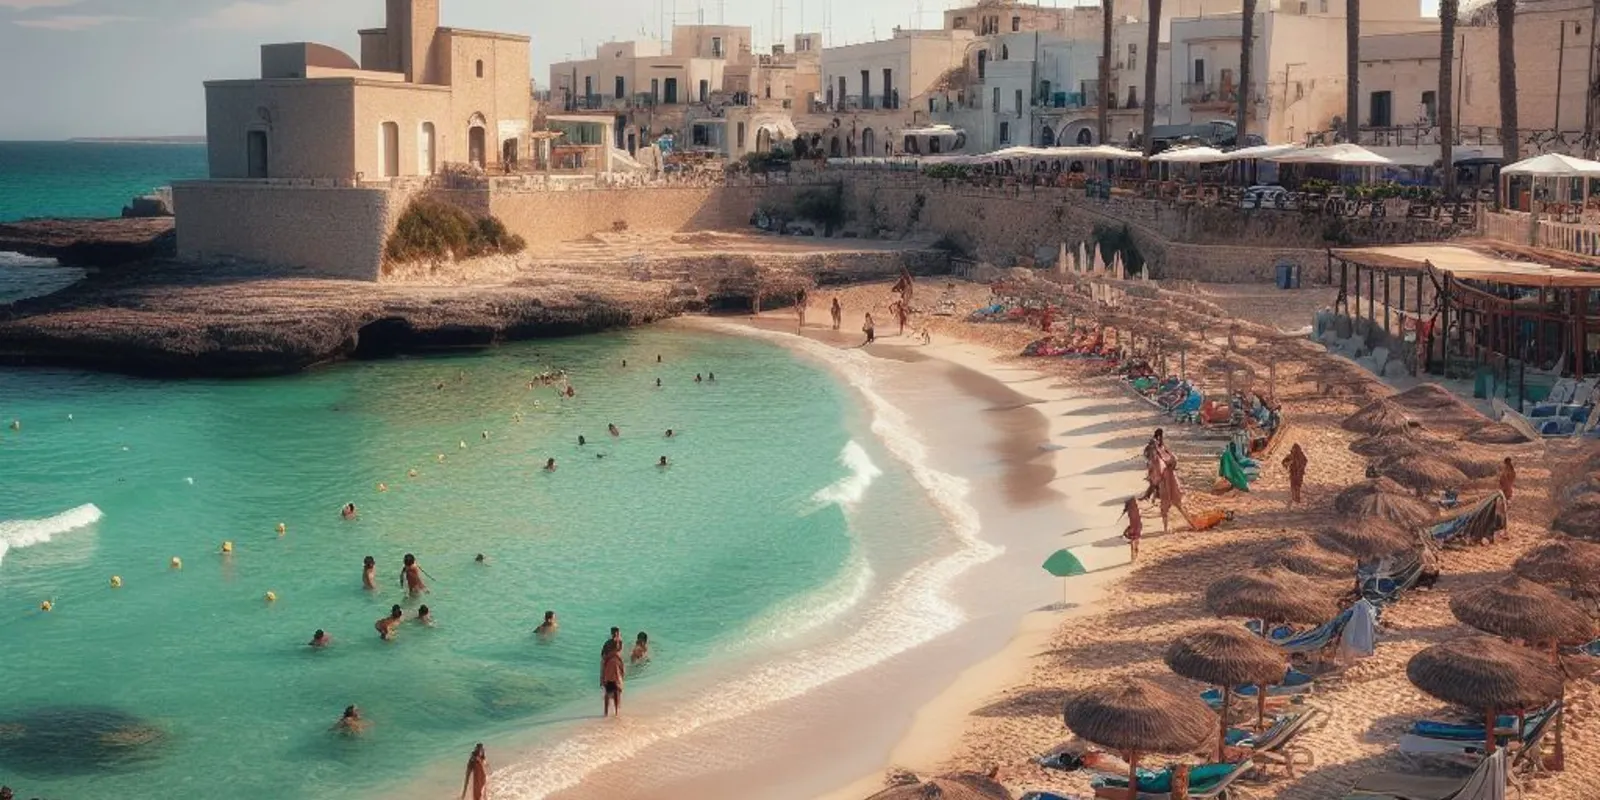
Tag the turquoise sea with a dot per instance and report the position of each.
(88, 179)
(188, 682)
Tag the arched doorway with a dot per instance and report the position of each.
(426, 163)
(869, 142)
(255, 145)
(763, 141)
(389, 148)
(477, 141)
(835, 147)
(1047, 137)
(1085, 136)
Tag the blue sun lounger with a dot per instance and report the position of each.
(1317, 638)
(1473, 731)
(1294, 683)
(1205, 781)
(1383, 589)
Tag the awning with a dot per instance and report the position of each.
(1554, 165)
(1344, 155)
(1466, 264)
(1263, 151)
(1191, 155)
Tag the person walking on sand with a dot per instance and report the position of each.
(1135, 529)
(477, 777)
(1508, 479)
(838, 313)
(1161, 472)
(612, 672)
(901, 313)
(1296, 463)
(870, 330)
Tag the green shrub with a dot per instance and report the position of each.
(824, 206)
(430, 230)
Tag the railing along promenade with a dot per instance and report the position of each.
(1516, 227)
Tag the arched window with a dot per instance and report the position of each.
(426, 161)
(1085, 136)
(1047, 137)
(869, 142)
(480, 67)
(389, 148)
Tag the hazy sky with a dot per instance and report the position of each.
(134, 67)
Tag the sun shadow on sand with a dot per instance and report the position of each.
(1108, 426)
(1097, 410)
(1031, 703)
(1115, 467)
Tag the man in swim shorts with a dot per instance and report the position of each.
(612, 671)
(411, 576)
(549, 626)
(387, 625)
(369, 574)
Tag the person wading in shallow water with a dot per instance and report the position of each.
(612, 671)
(477, 778)
(870, 330)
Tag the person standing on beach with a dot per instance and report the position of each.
(1161, 472)
(1296, 463)
(1135, 529)
(838, 313)
(1508, 479)
(870, 330)
(369, 574)
(477, 777)
(612, 671)
(800, 302)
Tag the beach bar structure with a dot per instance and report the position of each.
(1460, 312)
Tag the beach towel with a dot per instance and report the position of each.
(1360, 638)
(1206, 520)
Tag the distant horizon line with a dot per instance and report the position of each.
(180, 139)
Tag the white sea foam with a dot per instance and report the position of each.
(10, 259)
(914, 611)
(17, 534)
(848, 491)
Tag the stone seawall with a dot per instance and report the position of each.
(324, 231)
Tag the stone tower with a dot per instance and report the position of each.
(412, 26)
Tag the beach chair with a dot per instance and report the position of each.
(1383, 589)
(1295, 683)
(1271, 746)
(1487, 782)
(1473, 731)
(1188, 409)
(1523, 743)
(1205, 781)
(1317, 638)
(1482, 521)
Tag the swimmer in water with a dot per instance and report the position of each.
(320, 639)
(387, 625)
(669, 433)
(582, 441)
(411, 576)
(624, 363)
(480, 559)
(641, 649)
(549, 465)
(383, 487)
(369, 574)
(441, 458)
(411, 473)
(349, 511)
(570, 391)
(549, 626)
(477, 777)
(711, 377)
(439, 386)
(425, 616)
(658, 358)
(612, 429)
(16, 424)
(351, 724)
(485, 436)
(662, 462)
(517, 417)
(658, 383)
(698, 378)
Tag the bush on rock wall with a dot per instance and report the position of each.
(430, 230)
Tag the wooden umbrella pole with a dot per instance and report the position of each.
(1133, 775)
(1488, 727)
(1222, 734)
(1261, 707)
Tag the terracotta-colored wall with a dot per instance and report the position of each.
(308, 127)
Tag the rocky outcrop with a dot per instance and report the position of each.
(91, 242)
(155, 204)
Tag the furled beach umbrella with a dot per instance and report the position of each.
(1565, 562)
(1138, 717)
(1517, 608)
(1227, 656)
(1272, 595)
(1423, 473)
(1368, 538)
(958, 786)
(1382, 418)
(1488, 675)
(1385, 499)
(1303, 557)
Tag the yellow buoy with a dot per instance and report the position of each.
(272, 597)
(282, 529)
(116, 581)
(177, 563)
(46, 605)
(227, 547)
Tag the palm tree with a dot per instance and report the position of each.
(1152, 45)
(1448, 9)
(1505, 13)
(1106, 11)
(1352, 71)
(1247, 40)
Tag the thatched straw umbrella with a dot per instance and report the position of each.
(1517, 608)
(1565, 562)
(1368, 538)
(1396, 446)
(1474, 461)
(1227, 656)
(1385, 499)
(1382, 418)
(1138, 717)
(1426, 397)
(1423, 473)
(1496, 433)
(1303, 557)
(959, 786)
(1488, 675)
(1272, 595)
(1580, 518)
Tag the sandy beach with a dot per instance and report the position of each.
(1002, 713)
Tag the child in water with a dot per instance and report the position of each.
(387, 625)
(369, 574)
(411, 576)
(320, 639)
(641, 649)
(425, 616)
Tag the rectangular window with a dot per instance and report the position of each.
(739, 135)
(588, 88)
(1382, 110)
(716, 47)
(1324, 6)
(983, 62)
(888, 88)
(959, 22)
(995, 106)
(1133, 56)
(1430, 107)
(655, 90)
(1005, 133)
(1016, 24)
(1019, 102)
(866, 88)
(1199, 70)
(705, 90)
(619, 89)
(670, 92)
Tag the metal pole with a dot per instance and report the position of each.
(1589, 108)
(1561, 60)
(1461, 80)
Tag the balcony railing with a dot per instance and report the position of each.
(1196, 94)
(1064, 100)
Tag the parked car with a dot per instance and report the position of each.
(1265, 197)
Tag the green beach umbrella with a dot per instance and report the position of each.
(1063, 564)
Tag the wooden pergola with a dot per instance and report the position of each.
(1480, 302)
